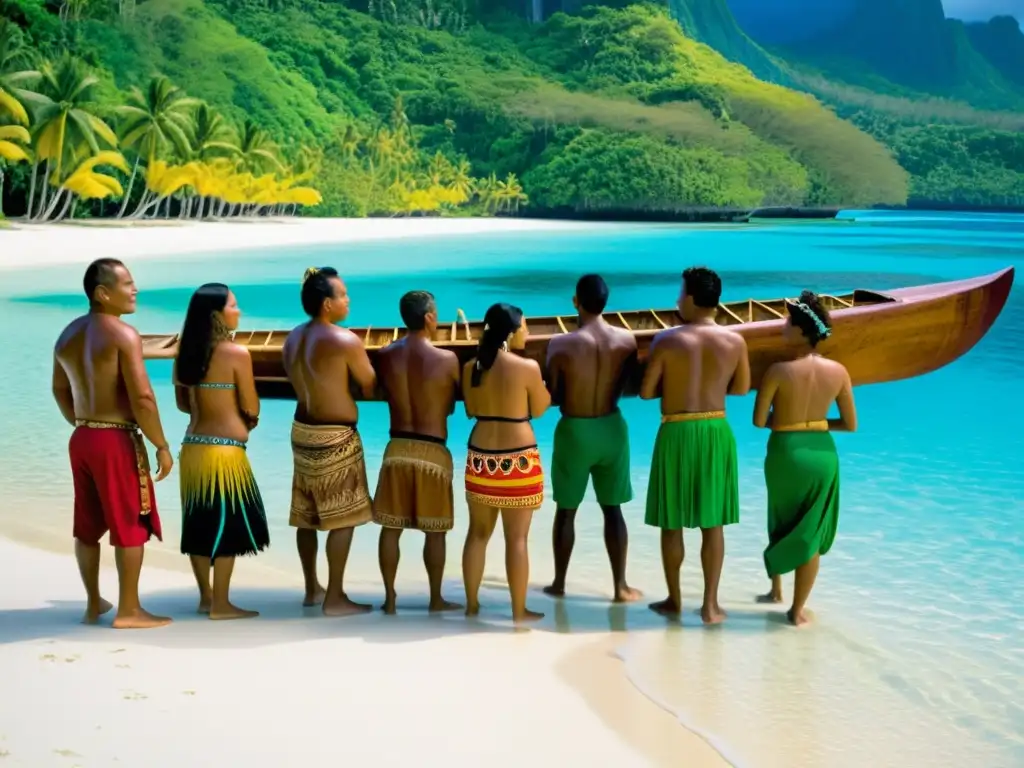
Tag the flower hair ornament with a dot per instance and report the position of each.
(309, 273)
(823, 330)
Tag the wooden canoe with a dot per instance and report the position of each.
(879, 336)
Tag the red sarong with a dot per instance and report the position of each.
(507, 479)
(113, 489)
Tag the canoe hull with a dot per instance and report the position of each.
(908, 332)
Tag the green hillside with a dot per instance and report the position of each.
(434, 105)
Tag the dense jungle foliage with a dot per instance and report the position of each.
(400, 107)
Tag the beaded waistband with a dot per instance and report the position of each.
(211, 440)
(89, 423)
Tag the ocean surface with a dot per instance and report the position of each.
(917, 654)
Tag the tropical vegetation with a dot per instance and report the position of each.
(217, 108)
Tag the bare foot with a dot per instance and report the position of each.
(473, 609)
(770, 597)
(93, 612)
(314, 598)
(667, 607)
(440, 604)
(139, 619)
(555, 590)
(389, 604)
(342, 606)
(527, 615)
(626, 594)
(798, 619)
(204, 604)
(711, 615)
(230, 611)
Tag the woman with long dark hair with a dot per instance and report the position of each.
(222, 511)
(801, 469)
(503, 392)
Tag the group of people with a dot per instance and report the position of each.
(102, 389)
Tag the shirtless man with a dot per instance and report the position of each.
(694, 481)
(102, 389)
(414, 489)
(586, 372)
(329, 486)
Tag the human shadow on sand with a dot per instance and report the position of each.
(284, 620)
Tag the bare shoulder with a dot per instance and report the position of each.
(234, 352)
(834, 367)
(669, 338)
(294, 335)
(343, 338)
(526, 365)
(559, 344)
(623, 337)
(730, 334)
(445, 356)
(71, 330)
(777, 371)
(122, 334)
(468, 367)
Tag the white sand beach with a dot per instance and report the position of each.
(35, 245)
(293, 688)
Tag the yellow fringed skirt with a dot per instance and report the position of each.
(221, 508)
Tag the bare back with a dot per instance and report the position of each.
(695, 367)
(801, 392)
(89, 352)
(227, 408)
(318, 361)
(586, 368)
(512, 389)
(421, 383)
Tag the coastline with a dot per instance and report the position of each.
(481, 675)
(555, 683)
(37, 245)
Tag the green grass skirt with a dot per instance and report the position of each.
(801, 471)
(694, 481)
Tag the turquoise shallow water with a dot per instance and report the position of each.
(920, 605)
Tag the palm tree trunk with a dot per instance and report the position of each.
(43, 192)
(31, 191)
(57, 198)
(67, 204)
(128, 192)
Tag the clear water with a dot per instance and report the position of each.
(917, 656)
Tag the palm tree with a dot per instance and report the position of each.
(512, 195)
(257, 151)
(13, 80)
(211, 135)
(212, 141)
(64, 120)
(489, 192)
(154, 121)
(85, 183)
(350, 142)
(460, 180)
